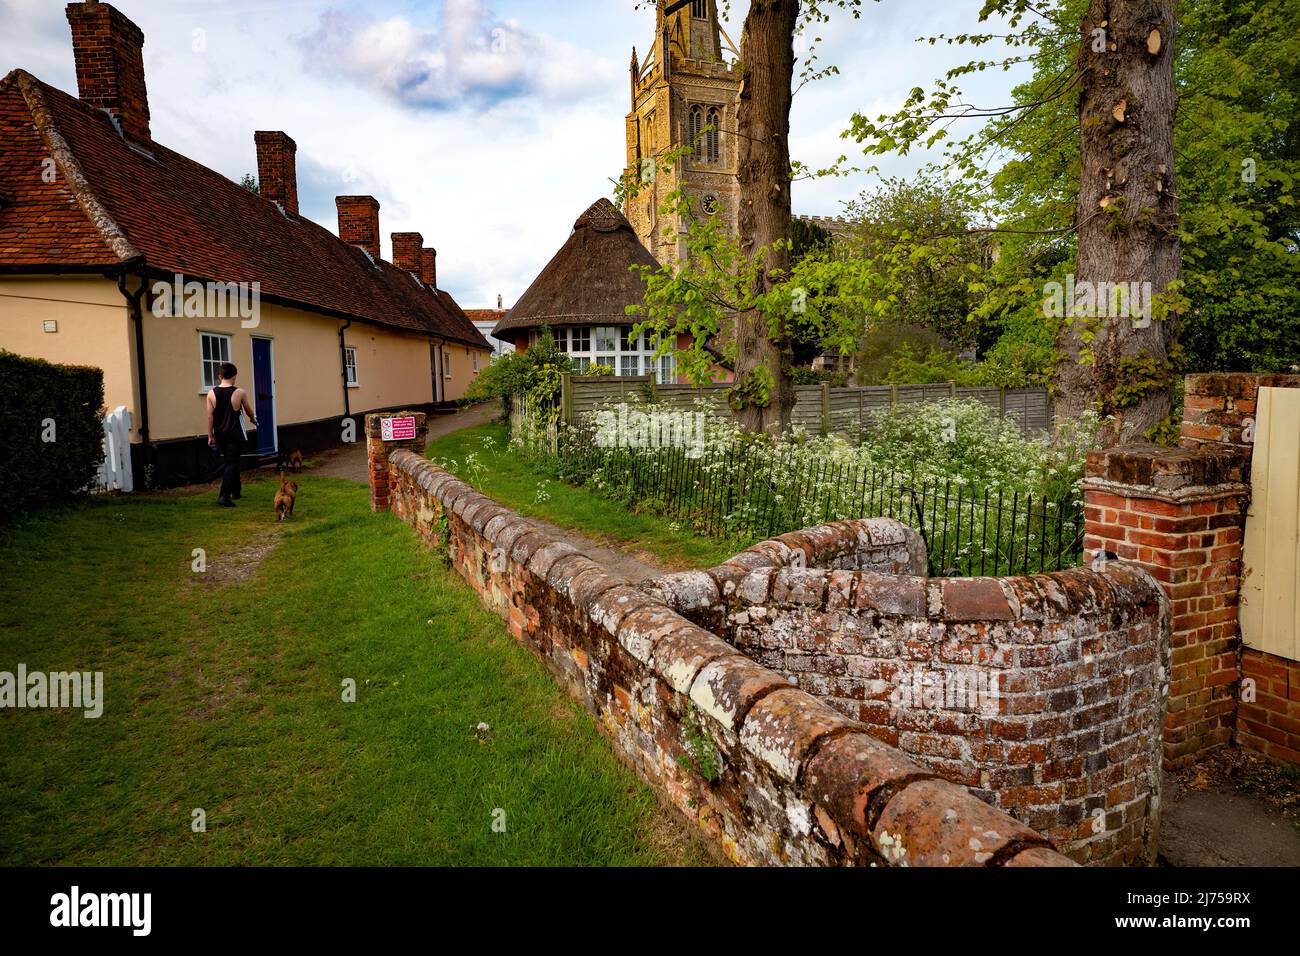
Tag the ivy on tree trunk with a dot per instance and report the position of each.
(764, 391)
(1126, 218)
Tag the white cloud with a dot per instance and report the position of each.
(474, 60)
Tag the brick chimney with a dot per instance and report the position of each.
(406, 251)
(277, 168)
(429, 267)
(108, 49)
(359, 222)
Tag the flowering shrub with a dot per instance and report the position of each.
(987, 500)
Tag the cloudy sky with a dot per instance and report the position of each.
(486, 125)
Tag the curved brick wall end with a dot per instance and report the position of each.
(797, 782)
(1044, 694)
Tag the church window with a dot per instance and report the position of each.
(700, 9)
(712, 142)
(695, 126)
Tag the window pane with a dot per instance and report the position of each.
(582, 364)
(607, 360)
(562, 339)
(631, 365)
(225, 349)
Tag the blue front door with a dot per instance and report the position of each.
(264, 396)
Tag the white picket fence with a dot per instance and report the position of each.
(115, 472)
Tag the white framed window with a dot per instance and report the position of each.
(474, 355)
(607, 338)
(561, 337)
(446, 364)
(617, 347)
(350, 365)
(214, 349)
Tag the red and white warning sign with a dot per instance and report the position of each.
(397, 429)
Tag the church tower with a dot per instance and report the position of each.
(681, 88)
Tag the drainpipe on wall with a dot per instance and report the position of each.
(137, 317)
(343, 359)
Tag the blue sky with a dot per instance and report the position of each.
(486, 125)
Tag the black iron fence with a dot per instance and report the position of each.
(751, 491)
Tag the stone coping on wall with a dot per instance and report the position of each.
(1070, 668)
(880, 544)
(799, 782)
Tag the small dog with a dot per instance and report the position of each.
(285, 498)
(292, 461)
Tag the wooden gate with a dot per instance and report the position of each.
(1270, 611)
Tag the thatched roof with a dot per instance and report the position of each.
(590, 281)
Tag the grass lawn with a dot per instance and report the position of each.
(223, 692)
(513, 480)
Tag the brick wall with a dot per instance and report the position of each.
(1268, 717)
(1220, 411)
(378, 451)
(1043, 694)
(1180, 513)
(797, 782)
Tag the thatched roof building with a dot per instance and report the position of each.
(589, 282)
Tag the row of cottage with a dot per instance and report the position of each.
(119, 253)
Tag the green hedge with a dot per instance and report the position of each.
(34, 394)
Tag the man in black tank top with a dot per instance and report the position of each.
(225, 433)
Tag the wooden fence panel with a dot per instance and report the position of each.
(816, 408)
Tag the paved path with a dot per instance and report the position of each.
(349, 462)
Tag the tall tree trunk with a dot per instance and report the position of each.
(1127, 217)
(764, 390)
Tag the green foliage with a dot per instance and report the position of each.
(42, 400)
(513, 376)
(1238, 119)
(699, 756)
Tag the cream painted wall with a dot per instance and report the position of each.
(461, 366)
(393, 368)
(94, 328)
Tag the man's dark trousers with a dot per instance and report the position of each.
(231, 446)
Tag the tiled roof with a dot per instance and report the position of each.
(111, 204)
